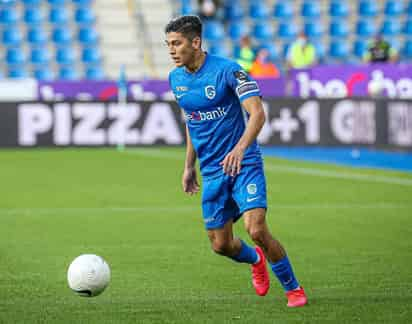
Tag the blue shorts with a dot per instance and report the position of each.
(225, 197)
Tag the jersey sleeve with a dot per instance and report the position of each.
(240, 82)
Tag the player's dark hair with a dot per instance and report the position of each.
(189, 26)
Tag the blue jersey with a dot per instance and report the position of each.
(211, 100)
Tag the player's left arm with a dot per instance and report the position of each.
(232, 162)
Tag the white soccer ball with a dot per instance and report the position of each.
(375, 88)
(88, 275)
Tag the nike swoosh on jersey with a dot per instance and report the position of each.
(251, 199)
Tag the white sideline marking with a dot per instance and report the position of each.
(191, 209)
(297, 170)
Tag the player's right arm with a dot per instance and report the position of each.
(189, 179)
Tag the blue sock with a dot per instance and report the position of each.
(283, 271)
(247, 254)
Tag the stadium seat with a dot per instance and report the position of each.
(339, 28)
(9, 15)
(57, 2)
(287, 30)
(83, 3)
(393, 8)
(218, 49)
(310, 9)
(62, 35)
(213, 31)
(88, 35)
(391, 28)
(263, 31)
(409, 10)
(33, 16)
(12, 36)
(407, 28)
(313, 29)
(234, 12)
(360, 47)
(407, 49)
(84, 15)
(40, 55)
(68, 73)
(320, 50)
(65, 55)
(15, 56)
(94, 73)
(59, 15)
(37, 35)
(274, 54)
(366, 28)
(17, 72)
(32, 2)
(258, 10)
(338, 50)
(338, 9)
(368, 8)
(43, 73)
(237, 29)
(91, 55)
(187, 9)
(283, 10)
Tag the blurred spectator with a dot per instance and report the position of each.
(380, 50)
(246, 55)
(262, 67)
(301, 53)
(208, 9)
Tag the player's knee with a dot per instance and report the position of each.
(257, 234)
(221, 247)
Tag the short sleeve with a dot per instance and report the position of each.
(240, 82)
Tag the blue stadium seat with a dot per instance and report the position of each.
(234, 12)
(68, 73)
(338, 50)
(83, 3)
(368, 8)
(9, 15)
(218, 49)
(37, 35)
(407, 49)
(274, 54)
(283, 10)
(258, 10)
(391, 28)
(287, 30)
(393, 8)
(339, 28)
(187, 8)
(310, 9)
(313, 29)
(91, 55)
(213, 31)
(17, 72)
(43, 73)
(366, 28)
(407, 28)
(15, 55)
(88, 35)
(263, 31)
(94, 73)
(32, 2)
(33, 15)
(338, 9)
(360, 47)
(65, 55)
(409, 10)
(62, 35)
(237, 29)
(320, 49)
(40, 55)
(58, 2)
(59, 15)
(12, 36)
(84, 15)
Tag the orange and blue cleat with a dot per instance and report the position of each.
(296, 297)
(260, 275)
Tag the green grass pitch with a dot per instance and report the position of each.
(348, 233)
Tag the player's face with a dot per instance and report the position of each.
(181, 49)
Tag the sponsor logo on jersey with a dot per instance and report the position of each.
(206, 115)
(210, 91)
(181, 88)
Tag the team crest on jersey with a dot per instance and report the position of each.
(210, 92)
(251, 188)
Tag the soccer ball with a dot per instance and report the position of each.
(88, 275)
(375, 88)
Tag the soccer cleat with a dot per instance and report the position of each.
(260, 275)
(296, 298)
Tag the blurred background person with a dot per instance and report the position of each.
(262, 67)
(301, 53)
(246, 55)
(379, 50)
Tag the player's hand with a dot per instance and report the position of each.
(233, 161)
(189, 181)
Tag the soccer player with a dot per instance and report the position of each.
(224, 114)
